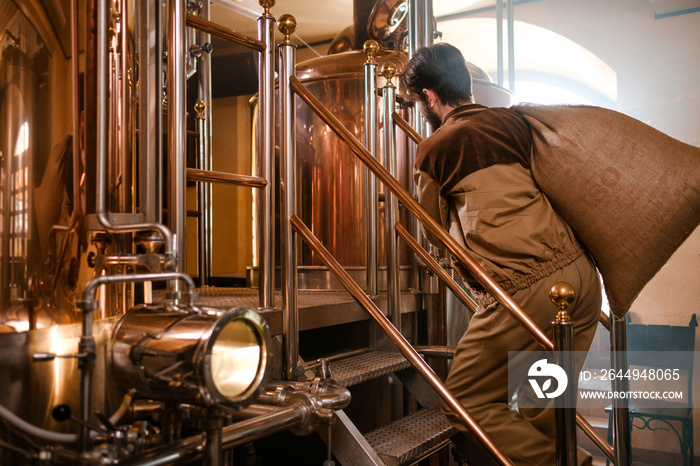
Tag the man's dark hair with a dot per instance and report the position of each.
(442, 69)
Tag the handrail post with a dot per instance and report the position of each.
(562, 294)
(204, 119)
(370, 48)
(288, 250)
(391, 205)
(266, 207)
(621, 421)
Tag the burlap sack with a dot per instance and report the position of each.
(630, 192)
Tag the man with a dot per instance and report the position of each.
(473, 175)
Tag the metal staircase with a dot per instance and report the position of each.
(404, 441)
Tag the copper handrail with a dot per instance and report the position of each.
(407, 128)
(425, 218)
(224, 33)
(211, 176)
(395, 336)
(436, 268)
(436, 229)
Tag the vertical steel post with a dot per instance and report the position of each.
(288, 247)
(370, 48)
(177, 99)
(621, 422)
(391, 205)
(562, 294)
(149, 111)
(204, 190)
(266, 128)
(420, 34)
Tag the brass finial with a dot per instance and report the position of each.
(287, 24)
(266, 4)
(371, 48)
(199, 108)
(388, 71)
(562, 294)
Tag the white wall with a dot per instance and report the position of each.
(657, 62)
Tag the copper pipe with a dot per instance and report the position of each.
(587, 429)
(224, 33)
(406, 128)
(436, 268)
(395, 336)
(210, 176)
(423, 216)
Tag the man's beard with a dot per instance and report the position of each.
(433, 119)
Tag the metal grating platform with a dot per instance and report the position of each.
(409, 438)
(367, 366)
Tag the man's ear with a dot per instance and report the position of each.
(431, 96)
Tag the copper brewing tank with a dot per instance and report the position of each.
(332, 179)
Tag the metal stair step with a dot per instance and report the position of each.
(367, 366)
(411, 437)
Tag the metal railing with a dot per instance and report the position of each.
(431, 224)
(265, 162)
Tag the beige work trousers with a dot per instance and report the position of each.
(478, 377)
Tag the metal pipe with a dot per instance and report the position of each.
(177, 140)
(149, 115)
(205, 154)
(397, 339)
(436, 229)
(242, 432)
(223, 32)
(621, 421)
(88, 299)
(101, 213)
(43, 434)
(428, 31)
(213, 452)
(420, 25)
(210, 176)
(391, 206)
(370, 93)
(75, 69)
(288, 247)
(266, 161)
(203, 198)
(437, 269)
(125, 111)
